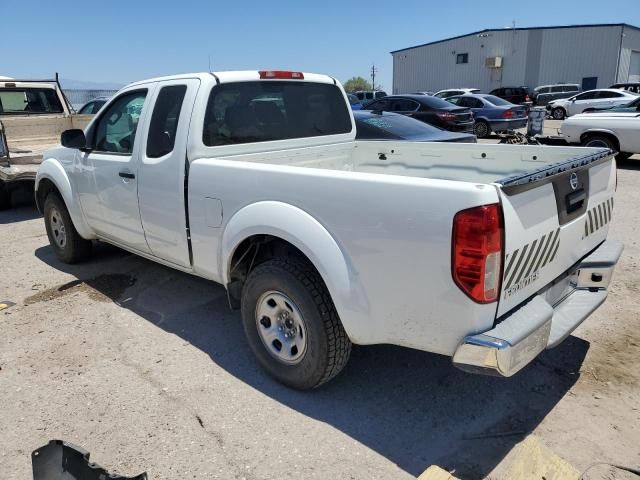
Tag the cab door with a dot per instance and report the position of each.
(107, 184)
(161, 173)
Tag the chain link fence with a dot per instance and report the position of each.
(78, 97)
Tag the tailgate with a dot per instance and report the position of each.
(553, 217)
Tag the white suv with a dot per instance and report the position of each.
(601, 98)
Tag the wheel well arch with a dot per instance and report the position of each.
(603, 133)
(45, 187)
(251, 252)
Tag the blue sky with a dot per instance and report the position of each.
(121, 41)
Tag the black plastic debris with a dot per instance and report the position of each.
(60, 460)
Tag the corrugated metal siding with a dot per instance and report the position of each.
(434, 67)
(555, 55)
(571, 54)
(630, 43)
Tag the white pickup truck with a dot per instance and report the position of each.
(485, 253)
(617, 131)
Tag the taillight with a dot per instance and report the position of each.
(508, 114)
(477, 252)
(526, 98)
(280, 74)
(447, 116)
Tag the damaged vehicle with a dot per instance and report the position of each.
(488, 254)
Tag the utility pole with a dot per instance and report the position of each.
(374, 70)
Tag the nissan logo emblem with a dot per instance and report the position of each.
(573, 181)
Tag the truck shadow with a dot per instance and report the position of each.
(412, 407)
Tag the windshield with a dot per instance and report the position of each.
(392, 126)
(496, 100)
(19, 100)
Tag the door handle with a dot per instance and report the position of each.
(124, 174)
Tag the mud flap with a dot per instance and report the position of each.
(60, 460)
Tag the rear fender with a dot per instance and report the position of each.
(52, 170)
(311, 238)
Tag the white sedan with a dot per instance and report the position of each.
(617, 131)
(600, 98)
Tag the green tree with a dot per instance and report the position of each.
(356, 83)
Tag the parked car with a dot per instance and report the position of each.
(376, 125)
(632, 106)
(306, 228)
(92, 106)
(423, 93)
(631, 87)
(545, 93)
(431, 110)
(515, 95)
(604, 97)
(454, 91)
(617, 131)
(491, 113)
(354, 102)
(366, 96)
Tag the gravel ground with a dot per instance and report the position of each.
(148, 369)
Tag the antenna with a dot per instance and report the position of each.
(374, 70)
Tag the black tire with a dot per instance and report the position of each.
(481, 129)
(327, 346)
(74, 249)
(558, 113)
(5, 197)
(601, 141)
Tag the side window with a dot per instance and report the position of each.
(586, 96)
(545, 90)
(116, 128)
(454, 100)
(508, 92)
(87, 109)
(570, 88)
(368, 95)
(403, 105)
(461, 101)
(360, 95)
(378, 105)
(380, 94)
(164, 120)
(557, 89)
(249, 112)
(475, 103)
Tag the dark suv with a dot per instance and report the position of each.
(431, 110)
(515, 95)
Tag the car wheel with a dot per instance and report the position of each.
(481, 129)
(67, 243)
(558, 113)
(292, 325)
(599, 141)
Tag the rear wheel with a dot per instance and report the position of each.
(292, 325)
(481, 129)
(558, 113)
(67, 243)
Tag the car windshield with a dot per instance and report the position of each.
(398, 126)
(496, 100)
(352, 99)
(17, 100)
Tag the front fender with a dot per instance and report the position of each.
(308, 235)
(52, 170)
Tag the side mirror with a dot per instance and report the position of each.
(73, 138)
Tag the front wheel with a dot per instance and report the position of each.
(558, 113)
(67, 243)
(599, 141)
(292, 325)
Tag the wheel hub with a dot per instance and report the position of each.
(281, 327)
(57, 228)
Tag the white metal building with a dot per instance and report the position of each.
(594, 56)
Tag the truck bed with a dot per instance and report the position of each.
(457, 162)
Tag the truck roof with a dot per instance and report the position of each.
(232, 76)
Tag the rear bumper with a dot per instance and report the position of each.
(544, 321)
(509, 124)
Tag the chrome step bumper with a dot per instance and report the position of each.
(541, 323)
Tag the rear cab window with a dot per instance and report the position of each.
(164, 120)
(17, 100)
(247, 112)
